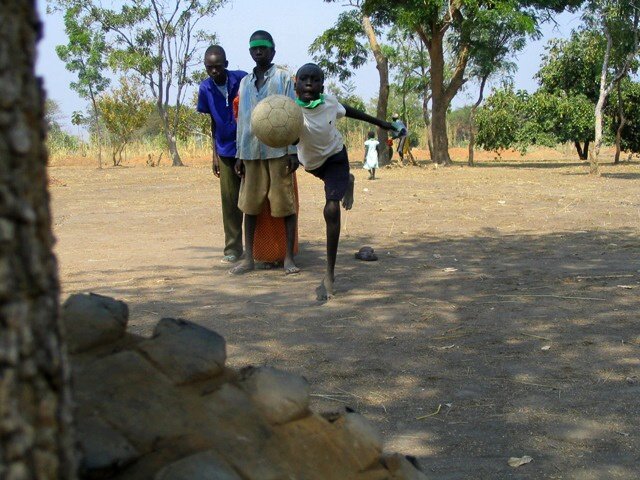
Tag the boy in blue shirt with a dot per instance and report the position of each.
(215, 97)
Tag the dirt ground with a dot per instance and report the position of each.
(501, 320)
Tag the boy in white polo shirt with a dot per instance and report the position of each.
(322, 152)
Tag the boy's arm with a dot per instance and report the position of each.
(360, 115)
(216, 159)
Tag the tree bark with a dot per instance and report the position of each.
(472, 116)
(35, 405)
(382, 64)
(176, 161)
(621, 124)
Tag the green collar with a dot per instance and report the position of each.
(312, 103)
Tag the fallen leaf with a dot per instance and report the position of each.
(450, 269)
(516, 462)
(546, 347)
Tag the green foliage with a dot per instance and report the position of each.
(631, 130)
(84, 53)
(124, 111)
(501, 121)
(342, 48)
(516, 119)
(573, 66)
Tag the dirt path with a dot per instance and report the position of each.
(501, 320)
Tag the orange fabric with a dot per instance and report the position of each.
(270, 239)
(236, 105)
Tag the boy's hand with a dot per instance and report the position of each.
(239, 168)
(294, 163)
(216, 165)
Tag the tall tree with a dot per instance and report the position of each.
(455, 23)
(161, 42)
(618, 21)
(85, 54)
(35, 406)
(341, 46)
(571, 69)
(125, 111)
(410, 65)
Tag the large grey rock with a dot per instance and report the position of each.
(360, 438)
(91, 320)
(280, 396)
(184, 351)
(401, 468)
(201, 466)
(129, 393)
(103, 448)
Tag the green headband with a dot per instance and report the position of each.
(260, 43)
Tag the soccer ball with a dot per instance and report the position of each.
(277, 121)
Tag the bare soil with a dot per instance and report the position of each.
(501, 319)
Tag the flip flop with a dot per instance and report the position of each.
(291, 270)
(229, 259)
(366, 254)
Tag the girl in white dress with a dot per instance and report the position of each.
(371, 155)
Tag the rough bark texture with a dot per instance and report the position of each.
(472, 120)
(35, 406)
(382, 64)
(621, 123)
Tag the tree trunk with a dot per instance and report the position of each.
(581, 152)
(35, 427)
(170, 138)
(472, 116)
(427, 122)
(621, 125)
(96, 114)
(382, 64)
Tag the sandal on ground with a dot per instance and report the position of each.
(229, 259)
(366, 254)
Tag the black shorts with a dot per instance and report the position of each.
(334, 172)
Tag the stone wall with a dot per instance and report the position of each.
(167, 408)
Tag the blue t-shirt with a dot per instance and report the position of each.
(212, 101)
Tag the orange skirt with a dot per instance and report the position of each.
(270, 239)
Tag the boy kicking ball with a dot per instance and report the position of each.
(322, 152)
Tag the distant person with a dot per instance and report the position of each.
(322, 151)
(215, 97)
(371, 154)
(400, 133)
(267, 173)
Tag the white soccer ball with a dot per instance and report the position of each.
(277, 121)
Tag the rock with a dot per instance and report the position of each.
(103, 448)
(282, 397)
(401, 468)
(92, 320)
(201, 466)
(184, 351)
(130, 394)
(360, 438)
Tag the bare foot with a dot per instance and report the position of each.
(244, 267)
(325, 291)
(347, 200)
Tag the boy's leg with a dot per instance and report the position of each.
(290, 230)
(332, 220)
(247, 264)
(231, 214)
(347, 200)
(373, 174)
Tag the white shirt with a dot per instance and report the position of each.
(320, 138)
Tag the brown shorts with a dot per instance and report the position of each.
(267, 179)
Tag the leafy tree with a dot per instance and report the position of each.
(570, 70)
(36, 431)
(501, 121)
(125, 111)
(409, 61)
(342, 46)
(618, 21)
(626, 106)
(84, 54)
(159, 40)
(461, 24)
